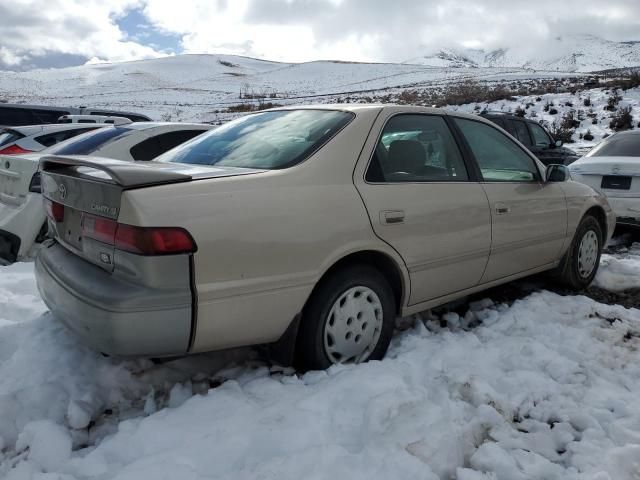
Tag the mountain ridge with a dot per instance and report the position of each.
(571, 53)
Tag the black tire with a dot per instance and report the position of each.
(43, 233)
(310, 345)
(568, 272)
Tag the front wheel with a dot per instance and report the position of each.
(349, 319)
(580, 264)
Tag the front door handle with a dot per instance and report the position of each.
(391, 217)
(502, 208)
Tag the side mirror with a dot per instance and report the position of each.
(557, 173)
(558, 143)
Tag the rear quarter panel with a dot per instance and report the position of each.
(265, 239)
(580, 198)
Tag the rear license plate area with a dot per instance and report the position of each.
(70, 230)
(616, 182)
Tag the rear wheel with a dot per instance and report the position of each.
(580, 264)
(349, 319)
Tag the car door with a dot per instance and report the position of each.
(522, 133)
(529, 216)
(544, 147)
(423, 201)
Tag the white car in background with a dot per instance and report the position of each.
(22, 216)
(35, 138)
(613, 168)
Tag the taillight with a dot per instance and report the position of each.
(14, 150)
(98, 228)
(35, 184)
(138, 240)
(55, 210)
(154, 240)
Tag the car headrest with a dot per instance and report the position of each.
(406, 156)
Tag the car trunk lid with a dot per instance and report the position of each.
(614, 176)
(83, 195)
(628, 166)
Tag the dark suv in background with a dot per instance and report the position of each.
(16, 115)
(535, 137)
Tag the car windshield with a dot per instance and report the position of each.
(621, 145)
(89, 142)
(267, 140)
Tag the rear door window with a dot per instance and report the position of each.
(416, 148)
(522, 133)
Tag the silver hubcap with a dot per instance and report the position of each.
(353, 326)
(587, 254)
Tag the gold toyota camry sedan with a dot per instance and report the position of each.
(308, 229)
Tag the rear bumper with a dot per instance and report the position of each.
(110, 314)
(23, 221)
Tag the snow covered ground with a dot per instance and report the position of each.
(564, 103)
(545, 387)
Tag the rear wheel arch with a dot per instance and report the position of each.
(283, 351)
(381, 261)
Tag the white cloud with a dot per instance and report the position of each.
(32, 30)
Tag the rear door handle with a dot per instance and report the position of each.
(390, 217)
(502, 208)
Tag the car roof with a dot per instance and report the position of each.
(28, 130)
(512, 116)
(38, 107)
(148, 125)
(397, 108)
(355, 107)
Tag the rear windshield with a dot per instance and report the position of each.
(89, 142)
(9, 136)
(267, 140)
(624, 145)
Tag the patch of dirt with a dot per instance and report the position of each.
(627, 298)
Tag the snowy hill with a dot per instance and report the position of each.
(198, 87)
(571, 53)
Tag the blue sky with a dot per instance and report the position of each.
(137, 28)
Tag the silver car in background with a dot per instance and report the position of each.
(35, 138)
(22, 215)
(613, 168)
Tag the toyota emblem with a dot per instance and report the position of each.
(615, 169)
(62, 190)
